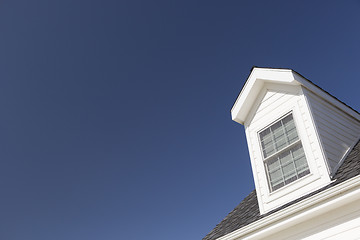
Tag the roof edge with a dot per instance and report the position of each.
(336, 196)
(258, 76)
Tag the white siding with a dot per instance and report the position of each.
(272, 104)
(337, 130)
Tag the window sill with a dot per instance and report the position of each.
(292, 187)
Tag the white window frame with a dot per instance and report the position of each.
(282, 150)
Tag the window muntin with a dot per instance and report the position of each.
(278, 136)
(283, 153)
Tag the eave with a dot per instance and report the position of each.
(325, 201)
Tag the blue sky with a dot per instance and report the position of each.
(115, 115)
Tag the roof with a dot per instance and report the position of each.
(248, 210)
(260, 76)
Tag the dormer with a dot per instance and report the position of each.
(297, 134)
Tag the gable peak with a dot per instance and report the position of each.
(280, 76)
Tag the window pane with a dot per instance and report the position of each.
(290, 129)
(265, 133)
(292, 136)
(288, 166)
(278, 136)
(280, 143)
(267, 142)
(268, 148)
(276, 177)
(297, 151)
(273, 164)
(299, 159)
(285, 158)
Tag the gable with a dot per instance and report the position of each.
(254, 85)
(274, 102)
(272, 99)
(260, 76)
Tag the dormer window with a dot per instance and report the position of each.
(283, 154)
(298, 135)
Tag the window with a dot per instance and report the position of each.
(283, 153)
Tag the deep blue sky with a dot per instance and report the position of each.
(115, 115)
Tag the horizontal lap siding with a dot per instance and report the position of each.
(337, 130)
(271, 103)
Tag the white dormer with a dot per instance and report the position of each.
(297, 134)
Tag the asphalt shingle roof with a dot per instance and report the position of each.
(248, 210)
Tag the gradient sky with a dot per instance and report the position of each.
(115, 115)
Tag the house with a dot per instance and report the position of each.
(305, 156)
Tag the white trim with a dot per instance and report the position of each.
(279, 152)
(322, 202)
(318, 176)
(254, 85)
(259, 76)
(344, 157)
(326, 96)
(270, 200)
(303, 96)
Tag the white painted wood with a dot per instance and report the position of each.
(275, 101)
(338, 130)
(328, 131)
(340, 223)
(287, 77)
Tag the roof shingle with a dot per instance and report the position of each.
(248, 210)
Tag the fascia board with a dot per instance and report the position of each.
(253, 86)
(245, 101)
(325, 201)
